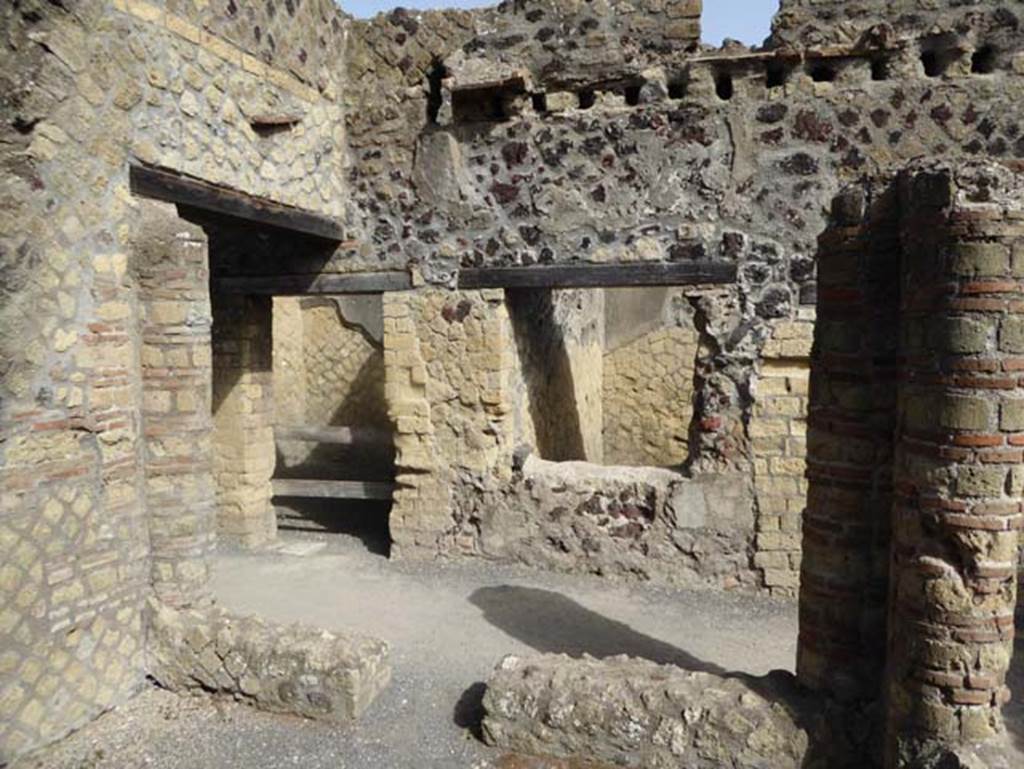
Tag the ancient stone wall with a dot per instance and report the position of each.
(674, 155)
(536, 133)
(866, 23)
(851, 419)
(447, 358)
(632, 712)
(170, 261)
(469, 483)
(87, 88)
(332, 369)
(623, 522)
(292, 669)
(647, 382)
(344, 370)
(288, 361)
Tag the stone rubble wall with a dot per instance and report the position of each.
(393, 59)
(759, 160)
(637, 523)
(634, 713)
(864, 22)
(291, 669)
(672, 156)
(660, 152)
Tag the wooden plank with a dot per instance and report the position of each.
(600, 275)
(315, 284)
(340, 435)
(173, 187)
(292, 487)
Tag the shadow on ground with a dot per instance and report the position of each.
(551, 623)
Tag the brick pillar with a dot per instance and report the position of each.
(958, 472)
(447, 363)
(172, 269)
(851, 416)
(778, 429)
(243, 416)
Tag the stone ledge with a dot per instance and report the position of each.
(294, 669)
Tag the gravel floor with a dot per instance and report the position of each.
(448, 624)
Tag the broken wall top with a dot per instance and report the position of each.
(806, 23)
(559, 43)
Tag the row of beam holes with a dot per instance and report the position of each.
(588, 98)
(935, 63)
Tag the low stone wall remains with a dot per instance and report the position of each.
(634, 713)
(294, 669)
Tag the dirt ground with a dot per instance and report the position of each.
(448, 625)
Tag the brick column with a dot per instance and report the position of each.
(958, 472)
(172, 269)
(243, 416)
(778, 428)
(851, 416)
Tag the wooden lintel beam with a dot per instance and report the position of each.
(301, 285)
(290, 487)
(600, 275)
(339, 435)
(170, 186)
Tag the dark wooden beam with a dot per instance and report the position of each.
(299, 285)
(339, 435)
(599, 275)
(548, 276)
(173, 187)
(290, 487)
